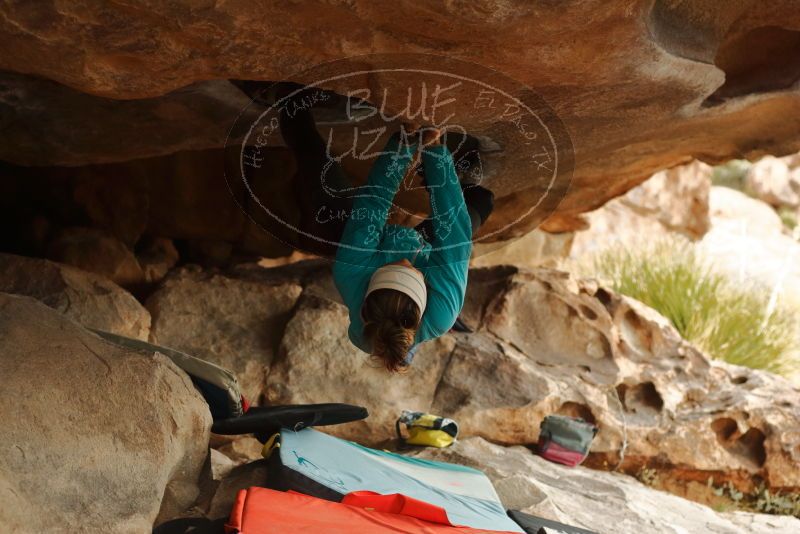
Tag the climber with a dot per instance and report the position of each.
(403, 286)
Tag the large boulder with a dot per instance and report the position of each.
(547, 343)
(601, 502)
(101, 438)
(534, 249)
(90, 299)
(772, 180)
(233, 322)
(288, 348)
(731, 207)
(747, 240)
(680, 80)
(671, 202)
(544, 343)
(318, 363)
(92, 250)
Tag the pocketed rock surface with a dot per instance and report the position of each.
(544, 343)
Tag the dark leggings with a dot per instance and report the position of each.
(315, 171)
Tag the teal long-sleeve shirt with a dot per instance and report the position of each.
(369, 243)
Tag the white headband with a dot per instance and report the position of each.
(404, 279)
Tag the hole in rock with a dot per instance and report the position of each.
(604, 297)
(751, 446)
(762, 60)
(748, 446)
(640, 398)
(724, 428)
(588, 312)
(739, 380)
(635, 332)
(576, 409)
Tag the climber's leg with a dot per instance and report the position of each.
(479, 202)
(322, 188)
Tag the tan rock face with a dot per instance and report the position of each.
(671, 202)
(557, 345)
(100, 435)
(235, 323)
(319, 364)
(86, 298)
(678, 80)
(544, 343)
(775, 182)
(748, 241)
(95, 251)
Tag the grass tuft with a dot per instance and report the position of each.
(788, 217)
(726, 320)
(731, 174)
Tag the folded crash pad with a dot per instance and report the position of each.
(537, 525)
(324, 466)
(262, 511)
(264, 421)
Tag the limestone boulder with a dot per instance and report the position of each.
(156, 257)
(598, 501)
(283, 331)
(101, 438)
(318, 363)
(534, 249)
(680, 80)
(547, 343)
(676, 197)
(730, 206)
(89, 299)
(674, 202)
(747, 240)
(93, 250)
(235, 323)
(544, 343)
(773, 181)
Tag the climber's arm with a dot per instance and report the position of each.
(452, 243)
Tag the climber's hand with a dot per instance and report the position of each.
(409, 132)
(430, 136)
